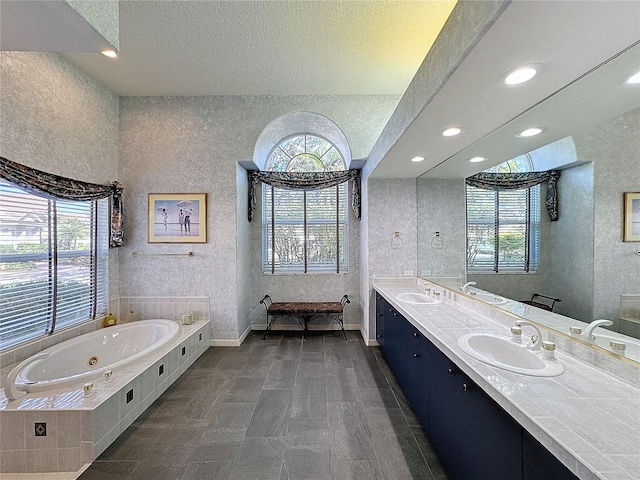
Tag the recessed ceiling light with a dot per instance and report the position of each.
(634, 78)
(530, 132)
(453, 131)
(477, 159)
(417, 159)
(109, 53)
(520, 75)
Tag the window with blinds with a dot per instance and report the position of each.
(53, 263)
(305, 231)
(503, 230)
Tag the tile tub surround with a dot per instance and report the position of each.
(125, 309)
(79, 428)
(586, 417)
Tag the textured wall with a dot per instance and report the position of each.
(615, 150)
(441, 208)
(192, 144)
(572, 273)
(243, 251)
(56, 118)
(392, 207)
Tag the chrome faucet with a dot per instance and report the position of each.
(536, 338)
(465, 287)
(588, 332)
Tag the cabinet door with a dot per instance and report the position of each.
(395, 330)
(444, 410)
(490, 439)
(417, 378)
(473, 436)
(381, 305)
(539, 463)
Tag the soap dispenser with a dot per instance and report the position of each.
(109, 321)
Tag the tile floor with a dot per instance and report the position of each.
(282, 408)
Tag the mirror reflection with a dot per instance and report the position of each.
(578, 266)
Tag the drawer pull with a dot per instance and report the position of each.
(451, 371)
(465, 387)
(415, 334)
(415, 355)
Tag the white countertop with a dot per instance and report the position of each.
(586, 417)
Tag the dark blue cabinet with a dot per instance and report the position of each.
(404, 350)
(540, 464)
(472, 435)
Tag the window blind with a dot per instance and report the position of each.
(305, 231)
(53, 263)
(503, 229)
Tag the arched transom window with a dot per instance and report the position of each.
(305, 153)
(305, 231)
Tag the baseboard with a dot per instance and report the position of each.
(347, 326)
(221, 342)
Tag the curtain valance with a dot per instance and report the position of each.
(50, 185)
(305, 181)
(518, 181)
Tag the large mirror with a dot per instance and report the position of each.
(582, 259)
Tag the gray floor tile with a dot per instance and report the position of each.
(355, 470)
(257, 459)
(270, 415)
(282, 374)
(280, 409)
(244, 390)
(209, 470)
(109, 470)
(342, 385)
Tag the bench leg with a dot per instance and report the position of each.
(269, 324)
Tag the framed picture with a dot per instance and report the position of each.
(632, 217)
(177, 218)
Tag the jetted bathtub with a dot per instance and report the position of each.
(88, 356)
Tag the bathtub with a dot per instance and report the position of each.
(88, 356)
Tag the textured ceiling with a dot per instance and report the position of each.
(268, 47)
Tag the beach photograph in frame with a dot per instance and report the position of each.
(632, 217)
(177, 218)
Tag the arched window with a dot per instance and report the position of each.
(305, 231)
(503, 227)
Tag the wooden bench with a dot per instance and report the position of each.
(308, 311)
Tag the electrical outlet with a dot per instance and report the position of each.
(130, 395)
(161, 369)
(184, 350)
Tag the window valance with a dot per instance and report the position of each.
(306, 181)
(50, 185)
(518, 181)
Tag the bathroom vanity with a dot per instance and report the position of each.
(486, 422)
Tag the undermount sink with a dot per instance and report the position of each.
(501, 352)
(490, 298)
(416, 298)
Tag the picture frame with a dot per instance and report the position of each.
(631, 217)
(177, 218)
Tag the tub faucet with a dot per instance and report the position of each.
(588, 332)
(465, 287)
(536, 338)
